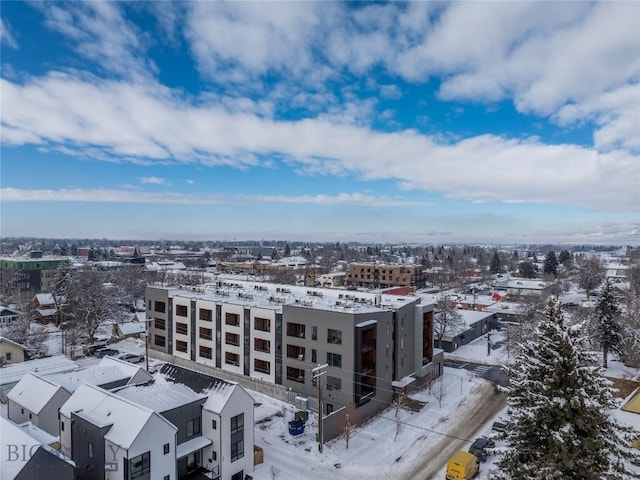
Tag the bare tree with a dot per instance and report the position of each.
(274, 472)
(22, 332)
(630, 320)
(399, 403)
(590, 274)
(348, 431)
(530, 310)
(447, 320)
(90, 301)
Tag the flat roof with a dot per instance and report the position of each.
(275, 296)
(160, 395)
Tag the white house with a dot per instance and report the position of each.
(228, 420)
(111, 438)
(36, 399)
(8, 316)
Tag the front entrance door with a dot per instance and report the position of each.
(193, 461)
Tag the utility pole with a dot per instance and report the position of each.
(318, 372)
(146, 344)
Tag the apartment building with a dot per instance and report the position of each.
(381, 275)
(30, 275)
(278, 334)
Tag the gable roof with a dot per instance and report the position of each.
(33, 392)
(219, 395)
(127, 419)
(15, 344)
(14, 435)
(45, 299)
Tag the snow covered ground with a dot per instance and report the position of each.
(373, 451)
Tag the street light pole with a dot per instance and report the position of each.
(318, 372)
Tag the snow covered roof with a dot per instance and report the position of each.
(218, 397)
(45, 299)
(43, 366)
(107, 371)
(161, 395)
(33, 392)
(12, 434)
(38, 434)
(131, 328)
(15, 344)
(275, 296)
(105, 408)
(47, 312)
(192, 445)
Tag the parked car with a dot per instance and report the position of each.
(107, 352)
(479, 447)
(500, 425)
(132, 357)
(462, 466)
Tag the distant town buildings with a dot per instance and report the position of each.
(30, 275)
(376, 275)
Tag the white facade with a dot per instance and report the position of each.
(223, 405)
(232, 337)
(263, 336)
(205, 347)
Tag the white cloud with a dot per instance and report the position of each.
(106, 195)
(153, 180)
(151, 123)
(6, 36)
(190, 182)
(100, 33)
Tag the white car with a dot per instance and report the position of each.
(132, 357)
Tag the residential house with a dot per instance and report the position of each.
(37, 400)
(111, 438)
(135, 327)
(23, 457)
(11, 352)
(8, 316)
(45, 307)
(474, 325)
(10, 375)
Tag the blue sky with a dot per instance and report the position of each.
(478, 122)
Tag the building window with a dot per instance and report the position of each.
(214, 456)
(261, 345)
(181, 346)
(159, 340)
(334, 337)
(237, 437)
(166, 448)
(232, 319)
(181, 310)
(232, 339)
(334, 383)
(167, 477)
(314, 355)
(193, 427)
(62, 426)
(295, 330)
(334, 360)
(262, 366)
(140, 465)
(8, 355)
(90, 445)
(262, 324)
(295, 374)
(149, 305)
(206, 315)
(314, 333)
(206, 333)
(159, 324)
(161, 307)
(214, 425)
(294, 351)
(181, 328)
(232, 359)
(205, 352)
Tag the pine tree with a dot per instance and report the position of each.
(565, 258)
(496, 265)
(605, 325)
(551, 264)
(560, 422)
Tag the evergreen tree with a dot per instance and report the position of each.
(496, 265)
(605, 325)
(565, 258)
(561, 426)
(527, 269)
(287, 250)
(551, 264)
